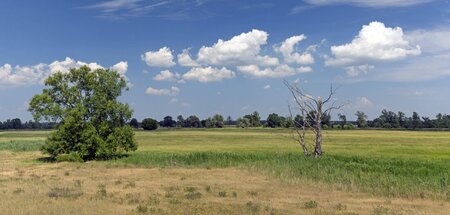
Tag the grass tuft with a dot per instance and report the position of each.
(310, 204)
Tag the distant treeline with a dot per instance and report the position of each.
(387, 120)
(17, 124)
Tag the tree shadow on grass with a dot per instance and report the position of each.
(46, 160)
(50, 159)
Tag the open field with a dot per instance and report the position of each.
(234, 171)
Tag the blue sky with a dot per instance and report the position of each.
(230, 57)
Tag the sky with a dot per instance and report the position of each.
(203, 57)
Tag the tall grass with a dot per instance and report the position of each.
(21, 145)
(386, 177)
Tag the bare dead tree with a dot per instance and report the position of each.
(314, 107)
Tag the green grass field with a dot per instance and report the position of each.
(386, 163)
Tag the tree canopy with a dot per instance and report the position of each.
(92, 122)
(149, 124)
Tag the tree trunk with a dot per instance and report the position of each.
(318, 147)
(302, 135)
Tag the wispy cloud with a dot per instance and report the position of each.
(166, 9)
(310, 4)
(369, 3)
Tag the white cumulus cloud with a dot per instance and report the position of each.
(353, 71)
(26, 75)
(163, 92)
(208, 74)
(364, 102)
(433, 63)
(184, 59)
(375, 42)
(277, 72)
(166, 75)
(121, 67)
(36, 74)
(161, 58)
(287, 49)
(239, 50)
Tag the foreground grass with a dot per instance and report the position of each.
(108, 188)
(386, 177)
(387, 163)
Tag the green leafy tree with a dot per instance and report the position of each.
(149, 124)
(92, 122)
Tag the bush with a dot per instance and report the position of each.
(149, 124)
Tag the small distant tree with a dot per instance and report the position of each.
(416, 122)
(243, 122)
(92, 122)
(343, 119)
(16, 123)
(273, 120)
(149, 124)
(168, 122)
(217, 121)
(361, 119)
(193, 122)
(180, 121)
(287, 122)
(134, 123)
(254, 119)
(401, 119)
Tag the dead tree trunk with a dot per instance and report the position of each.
(300, 132)
(318, 125)
(319, 108)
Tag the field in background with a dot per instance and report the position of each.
(235, 171)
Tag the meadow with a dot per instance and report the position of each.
(234, 171)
